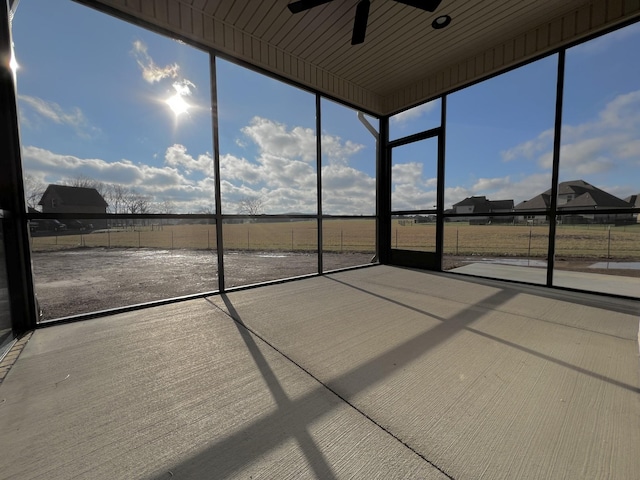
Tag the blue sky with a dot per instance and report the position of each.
(93, 95)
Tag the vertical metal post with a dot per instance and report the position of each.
(13, 211)
(555, 173)
(383, 197)
(216, 171)
(319, 181)
(441, 184)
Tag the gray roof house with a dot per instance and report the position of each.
(634, 201)
(577, 195)
(480, 204)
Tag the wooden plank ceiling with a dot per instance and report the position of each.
(403, 60)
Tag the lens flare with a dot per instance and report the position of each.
(177, 104)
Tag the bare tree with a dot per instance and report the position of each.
(207, 210)
(33, 190)
(251, 205)
(88, 182)
(166, 206)
(137, 203)
(115, 196)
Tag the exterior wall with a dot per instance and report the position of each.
(79, 210)
(464, 209)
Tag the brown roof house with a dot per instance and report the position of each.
(577, 195)
(480, 204)
(66, 199)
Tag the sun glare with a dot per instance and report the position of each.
(13, 64)
(177, 104)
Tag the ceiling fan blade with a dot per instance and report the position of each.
(360, 22)
(302, 5)
(427, 5)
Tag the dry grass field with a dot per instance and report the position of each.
(302, 236)
(77, 273)
(592, 241)
(354, 235)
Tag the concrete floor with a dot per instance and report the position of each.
(591, 282)
(374, 373)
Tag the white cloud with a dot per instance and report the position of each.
(410, 189)
(409, 173)
(607, 144)
(51, 111)
(336, 151)
(414, 113)
(529, 148)
(177, 156)
(283, 173)
(183, 87)
(274, 139)
(491, 184)
(151, 72)
(158, 183)
(605, 42)
(347, 191)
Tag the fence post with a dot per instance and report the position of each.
(208, 244)
(396, 238)
(248, 244)
(457, 240)
(108, 238)
(609, 244)
(529, 250)
(138, 238)
(292, 240)
(341, 240)
(171, 239)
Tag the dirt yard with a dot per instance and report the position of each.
(82, 280)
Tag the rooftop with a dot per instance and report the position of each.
(313, 48)
(74, 195)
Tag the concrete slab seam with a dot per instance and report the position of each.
(324, 385)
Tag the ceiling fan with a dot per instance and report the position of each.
(362, 12)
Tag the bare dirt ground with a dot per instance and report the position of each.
(82, 280)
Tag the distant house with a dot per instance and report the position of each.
(634, 201)
(66, 199)
(576, 195)
(480, 204)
